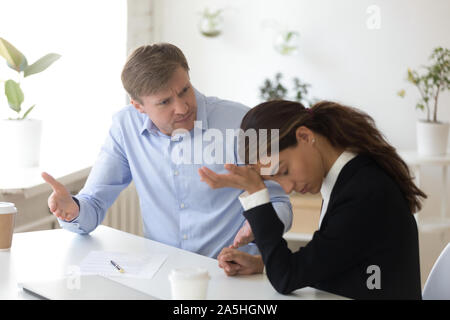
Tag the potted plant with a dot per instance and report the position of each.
(211, 22)
(286, 42)
(276, 90)
(432, 135)
(21, 135)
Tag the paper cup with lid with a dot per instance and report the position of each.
(7, 213)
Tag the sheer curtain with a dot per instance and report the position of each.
(76, 96)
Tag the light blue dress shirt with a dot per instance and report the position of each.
(177, 208)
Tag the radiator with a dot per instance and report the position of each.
(125, 213)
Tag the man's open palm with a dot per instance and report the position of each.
(60, 201)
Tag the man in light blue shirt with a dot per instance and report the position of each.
(167, 115)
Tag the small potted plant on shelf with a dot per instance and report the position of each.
(21, 135)
(432, 135)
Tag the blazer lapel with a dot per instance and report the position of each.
(344, 177)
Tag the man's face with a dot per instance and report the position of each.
(173, 107)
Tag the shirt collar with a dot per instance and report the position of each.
(201, 109)
(330, 179)
(201, 116)
(148, 125)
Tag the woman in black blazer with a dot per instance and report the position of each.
(366, 246)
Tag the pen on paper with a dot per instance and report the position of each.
(117, 267)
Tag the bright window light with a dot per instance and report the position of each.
(77, 95)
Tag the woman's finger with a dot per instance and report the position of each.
(228, 256)
(224, 265)
(209, 173)
(223, 256)
(215, 180)
(231, 178)
(205, 178)
(246, 176)
(241, 171)
(211, 178)
(231, 167)
(231, 269)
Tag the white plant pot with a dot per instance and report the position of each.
(432, 138)
(21, 142)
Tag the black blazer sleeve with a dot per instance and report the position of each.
(330, 251)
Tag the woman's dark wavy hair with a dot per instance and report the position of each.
(345, 127)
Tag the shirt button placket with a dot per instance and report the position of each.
(185, 236)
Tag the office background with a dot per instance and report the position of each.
(339, 54)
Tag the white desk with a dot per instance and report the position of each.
(50, 254)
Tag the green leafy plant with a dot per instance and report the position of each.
(274, 89)
(18, 62)
(286, 42)
(432, 82)
(210, 25)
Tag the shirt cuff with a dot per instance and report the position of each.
(74, 224)
(249, 201)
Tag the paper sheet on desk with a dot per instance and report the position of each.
(135, 265)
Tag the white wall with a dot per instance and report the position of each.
(339, 55)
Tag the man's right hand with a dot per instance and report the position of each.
(60, 201)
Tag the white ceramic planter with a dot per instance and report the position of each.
(432, 138)
(21, 142)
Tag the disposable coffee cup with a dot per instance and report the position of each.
(189, 283)
(7, 213)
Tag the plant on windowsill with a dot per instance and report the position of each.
(432, 135)
(21, 135)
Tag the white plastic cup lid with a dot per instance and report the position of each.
(7, 207)
(189, 273)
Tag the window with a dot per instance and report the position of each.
(76, 96)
